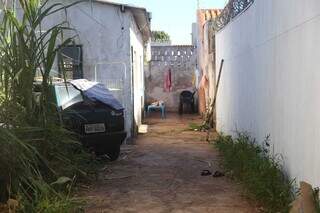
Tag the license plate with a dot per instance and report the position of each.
(94, 128)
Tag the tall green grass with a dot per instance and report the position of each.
(35, 150)
(18, 161)
(31, 162)
(259, 170)
(27, 49)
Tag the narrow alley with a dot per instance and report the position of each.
(139, 106)
(162, 173)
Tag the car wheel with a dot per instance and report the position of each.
(113, 153)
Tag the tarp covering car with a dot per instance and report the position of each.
(97, 92)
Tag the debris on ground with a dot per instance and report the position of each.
(218, 174)
(105, 168)
(206, 173)
(143, 129)
(118, 174)
(204, 161)
(118, 177)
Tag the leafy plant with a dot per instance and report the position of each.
(35, 150)
(47, 199)
(258, 170)
(18, 162)
(33, 157)
(160, 36)
(28, 50)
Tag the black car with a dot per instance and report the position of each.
(90, 110)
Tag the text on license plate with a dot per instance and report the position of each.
(94, 128)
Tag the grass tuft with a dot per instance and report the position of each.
(194, 127)
(198, 127)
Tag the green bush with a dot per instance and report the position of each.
(258, 170)
(160, 36)
(62, 154)
(32, 158)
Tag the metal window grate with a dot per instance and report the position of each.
(232, 10)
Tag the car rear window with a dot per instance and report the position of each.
(67, 95)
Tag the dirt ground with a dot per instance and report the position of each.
(162, 173)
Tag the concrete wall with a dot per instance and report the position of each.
(208, 62)
(138, 74)
(107, 35)
(181, 60)
(205, 59)
(194, 34)
(271, 81)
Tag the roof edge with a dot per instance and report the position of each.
(144, 28)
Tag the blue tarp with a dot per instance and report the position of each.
(97, 92)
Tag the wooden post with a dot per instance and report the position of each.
(210, 111)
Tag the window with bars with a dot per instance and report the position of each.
(70, 61)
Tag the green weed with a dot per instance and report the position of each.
(32, 158)
(47, 199)
(316, 196)
(258, 170)
(198, 127)
(194, 127)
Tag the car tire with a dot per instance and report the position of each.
(113, 153)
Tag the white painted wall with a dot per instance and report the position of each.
(271, 80)
(138, 72)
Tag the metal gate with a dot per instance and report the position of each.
(113, 76)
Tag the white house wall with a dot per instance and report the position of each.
(105, 34)
(137, 45)
(271, 81)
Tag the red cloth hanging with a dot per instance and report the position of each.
(167, 81)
